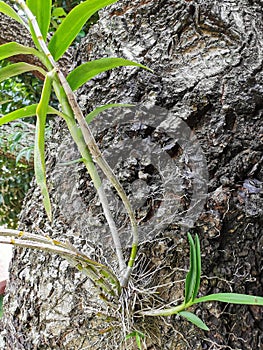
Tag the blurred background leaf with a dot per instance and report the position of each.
(16, 145)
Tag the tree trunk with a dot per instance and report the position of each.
(206, 58)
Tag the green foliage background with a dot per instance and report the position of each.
(16, 145)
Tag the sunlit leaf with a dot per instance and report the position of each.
(12, 48)
(72, 24)
(194, 319)
(41, 9)
(8, 11)
(39, 150)
(89, 70)
(233, 298)
(18, 68)
(100, 109)
(28, 111)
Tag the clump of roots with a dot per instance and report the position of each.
(156, 283)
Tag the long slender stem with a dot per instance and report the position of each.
(102, 163)
(78, 138)
(95, 155)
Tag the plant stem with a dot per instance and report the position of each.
(70, 105)
(102, 163)
(99, 274)
(168, 311)
(79, 140)
(87, 160)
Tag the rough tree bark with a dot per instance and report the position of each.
(207, 62)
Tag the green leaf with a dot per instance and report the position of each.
(41, 9)
(100, 109)
(190, 281)
(198, 266)
(233, 298)
(18, 68)
(72, 24)
(25, 153)
(28, 111)
(89, 70)
(12, 48)
(138, 336)
(39, 151)
(130, 335)
(8, 11)
(194, 319)
(58, 12)
(138, 341)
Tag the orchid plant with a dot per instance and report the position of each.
(36, 19)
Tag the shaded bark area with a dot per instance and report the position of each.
(207, 62)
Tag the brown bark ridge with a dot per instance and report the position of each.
(207, 63)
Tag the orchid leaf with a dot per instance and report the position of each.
(42, 11)
(8, 11)
(18, 68)
(89, 70)
(93, 114)
(233, 298)
(190, 281)
(12, 48)
(194, 319)
(39, 150)
(72, 24)
(28, 111)
(198, 266)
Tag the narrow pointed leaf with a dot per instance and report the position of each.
(89, 70)
(8, 11)
(18, 68)
(24, 112)
(12, 48)
(41, 9)
(233, 298)
(28, 111)
(39, 151)
(198, 266)
(72, 24)
(194, 319)
(190, 281)
(100, 109)
(130, 335)
(138, 341)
